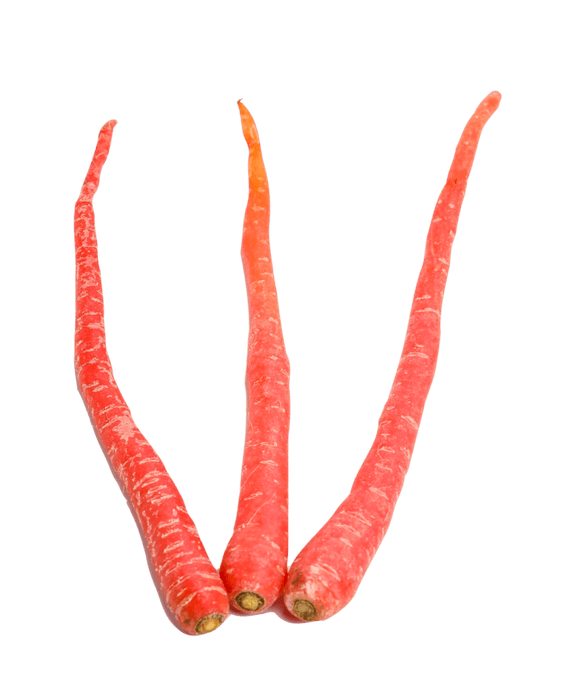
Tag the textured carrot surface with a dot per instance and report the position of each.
(254, 565)
(189, 584)
(326, 574)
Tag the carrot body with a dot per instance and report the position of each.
(254, 565)
(326, 574)
(189, 584)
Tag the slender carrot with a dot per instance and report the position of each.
(189, 584)
(254, 565)
(326, 574)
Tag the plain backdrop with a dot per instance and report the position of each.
(359, 106)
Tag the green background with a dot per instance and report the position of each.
(359, 106)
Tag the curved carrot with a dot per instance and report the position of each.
(190, 585)
(254, 565)
(326, 574)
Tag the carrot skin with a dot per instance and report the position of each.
(326, 574)
(189, 584)
(254, 565)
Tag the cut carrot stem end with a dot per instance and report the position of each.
(209, 623)
(250, 601)
(305, 610)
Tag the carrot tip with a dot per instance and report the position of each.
(305, 610)
(250, 601)
(209, 623)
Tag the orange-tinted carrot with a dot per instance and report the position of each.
(254, 565)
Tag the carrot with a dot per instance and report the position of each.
(254, 565)
(188, 582)
(326, 574)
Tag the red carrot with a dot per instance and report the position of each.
(254, 565)
(326, 574)
(189, 584)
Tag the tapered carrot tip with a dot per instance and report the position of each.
(244, 112)
(249, 128)
(305, 610)
(209, 623)
(490, 103)
(250, 601)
